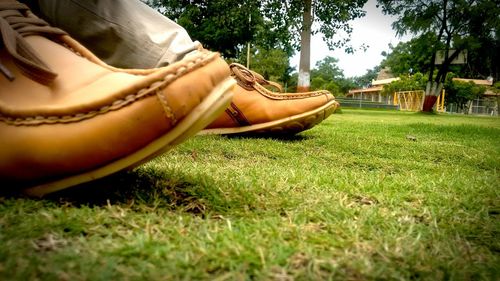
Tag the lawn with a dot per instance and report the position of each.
(365, 195)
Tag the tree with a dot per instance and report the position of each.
(305, 48)
(483, 59)
(226, 32)
(328, 69)
(461, 93)
(268, 24)
(328, 76)
(410, 57)
(406, 83)
(302, 18)
(451, 22)
(272, 64)
(366, 79)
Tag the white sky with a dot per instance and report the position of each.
(374, 30)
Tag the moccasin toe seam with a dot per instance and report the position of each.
(154, 87)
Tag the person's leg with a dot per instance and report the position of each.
(123, 33)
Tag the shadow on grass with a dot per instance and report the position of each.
(139, 189)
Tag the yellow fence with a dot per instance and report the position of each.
(409, 100)
(413, 100)
(440, 102)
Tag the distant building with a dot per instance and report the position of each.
(412, 100)
(486, 105)
(476, 81)
(373, 93)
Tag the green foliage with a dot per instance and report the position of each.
(273, 24)
(460, 93)
(454, 24)
(410, 57)
(272, 64)
(327, 69)
(328, 76)
(292, 86)
(269, 25)
(406, 83)
(331, 18)
(366, 79)
(320, 83)
(220, 25)
(496, 87)
(484, 42)
(345, 84)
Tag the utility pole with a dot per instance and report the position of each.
(248, 45)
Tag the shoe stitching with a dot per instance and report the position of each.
(166, 108)
(286, 96)
(153, 88)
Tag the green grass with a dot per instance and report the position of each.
(365, 195)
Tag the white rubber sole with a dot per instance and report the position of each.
(290, 125)
(202, 115)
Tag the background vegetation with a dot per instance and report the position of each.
(273, 30)
(268, 25)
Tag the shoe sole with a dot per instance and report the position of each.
(290, 125)
(202, 115)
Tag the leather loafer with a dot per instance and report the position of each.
(67, 118)
(258, 110)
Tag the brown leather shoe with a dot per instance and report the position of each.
(67, 118)
(257, 110)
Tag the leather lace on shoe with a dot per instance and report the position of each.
(251, 80)
(16, 22)
(248, 77)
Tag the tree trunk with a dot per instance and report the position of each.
(432, 91)
(305, 49)
(435, 86)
